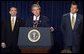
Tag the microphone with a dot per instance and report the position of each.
(35, 24)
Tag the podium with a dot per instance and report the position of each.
(35, 40)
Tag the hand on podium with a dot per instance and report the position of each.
(3, 45)
(51, 29)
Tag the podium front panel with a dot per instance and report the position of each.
(45, 40)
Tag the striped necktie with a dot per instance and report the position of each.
(12, 23)
(72, 22)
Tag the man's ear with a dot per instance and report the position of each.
(77, 10)
(32, 11)
(9, 11)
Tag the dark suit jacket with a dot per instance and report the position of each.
(9, 37)
(43, 21)
(72, 37)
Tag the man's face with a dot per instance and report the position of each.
(36, 11)
(13, 11)
(74, 9)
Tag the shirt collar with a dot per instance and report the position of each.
(74, 13)
(37, 16)
(34, 17)
(13, 16)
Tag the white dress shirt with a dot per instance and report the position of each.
(14, 18)
(36, 18)
(75, 14)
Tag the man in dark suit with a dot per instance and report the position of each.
(10, 32)
(38, 20)
(43, 21)
(72, 29)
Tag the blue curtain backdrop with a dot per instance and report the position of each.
(52, 9)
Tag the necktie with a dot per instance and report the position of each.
(72, 22)
(12, 23)
(35, 22)
(36, 18)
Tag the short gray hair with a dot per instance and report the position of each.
(13, 7)
(36, 5)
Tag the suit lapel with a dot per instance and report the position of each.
(9, 23)
(16, 23)
(69, 20)
(40, 19)
(77, 22)
(31, 20)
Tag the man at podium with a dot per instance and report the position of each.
(36, 16)
(37, 20)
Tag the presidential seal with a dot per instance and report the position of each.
(34, 35)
